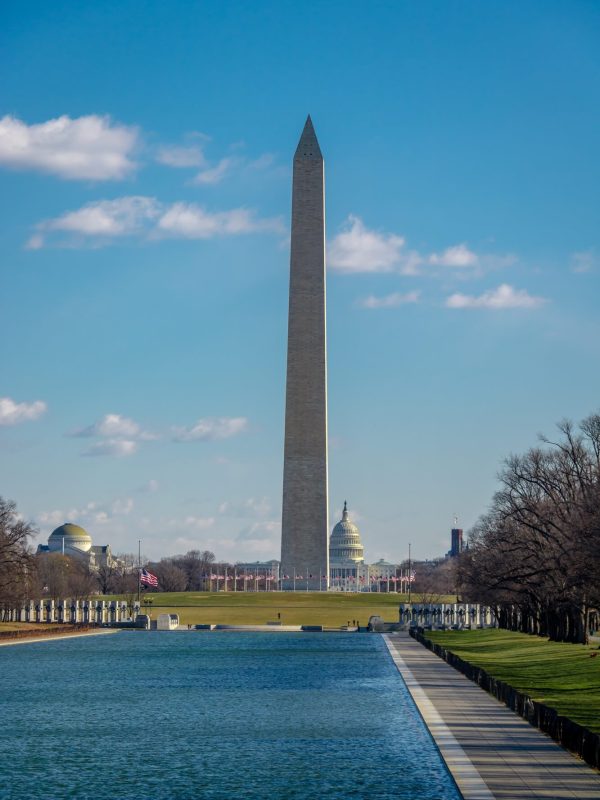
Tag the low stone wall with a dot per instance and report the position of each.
(36, 633)
(569, 734)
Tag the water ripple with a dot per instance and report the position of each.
(212, 716)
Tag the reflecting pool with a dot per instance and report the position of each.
(215, 716)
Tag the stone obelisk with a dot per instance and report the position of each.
(305, 517)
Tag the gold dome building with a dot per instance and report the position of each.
(74, 541)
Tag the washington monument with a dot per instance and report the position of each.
(305, 518)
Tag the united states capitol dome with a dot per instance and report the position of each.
(69, 537)
(345, 543)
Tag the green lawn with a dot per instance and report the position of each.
(565, 677)
(296, 608)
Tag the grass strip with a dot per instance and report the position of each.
(564, 676)
(331, 609)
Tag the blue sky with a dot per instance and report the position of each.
(145, 160)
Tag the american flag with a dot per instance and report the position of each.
(148, 578)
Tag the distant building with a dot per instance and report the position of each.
(259, 568)
(346, 554)
(382, 570)
(457, 545)
(74, 541)
(347, 569)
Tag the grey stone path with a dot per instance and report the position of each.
(490, 751)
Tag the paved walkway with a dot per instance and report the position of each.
(490, 751)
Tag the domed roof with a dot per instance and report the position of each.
(73, 536)
(345, 540)
(70, 531)
(344, 527)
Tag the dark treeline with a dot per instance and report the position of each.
(184, 573)
(536, 554)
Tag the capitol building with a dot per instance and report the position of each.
(74, 541)
(347, 569)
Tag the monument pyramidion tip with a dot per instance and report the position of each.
(308, 146)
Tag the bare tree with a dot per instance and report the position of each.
(434, 580)
(15, 557)
(82, 582)
(53, 571)
(106, 578)
(171, 578)
(125, 581)
(536, 554)
(196, 565)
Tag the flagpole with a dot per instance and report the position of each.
(139, 567)
(409, 580)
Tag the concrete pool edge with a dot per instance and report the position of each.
(469, 782)
(56, 637)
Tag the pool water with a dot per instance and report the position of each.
(212, 716)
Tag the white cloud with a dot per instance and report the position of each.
(391, 300)
(92, 513)
(12, 413)
(114, 426)
(181, 157)
(411, 261)
(150, 487)
(53, 518)
(212, 175)
(259, 539)
(122, 506)
(583, 261)
(215, 174)
(86, 148)
(260, 530)
(192, 523)
(358, 249)
(100, 220)
(119, 436)
(35, 242)
(252, 507)
(457, 256)
(112, 447)
(262, 162)
(103, 221)
(503, 297)
(211, 428)
(190, 221)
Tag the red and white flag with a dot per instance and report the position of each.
(148, 578)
